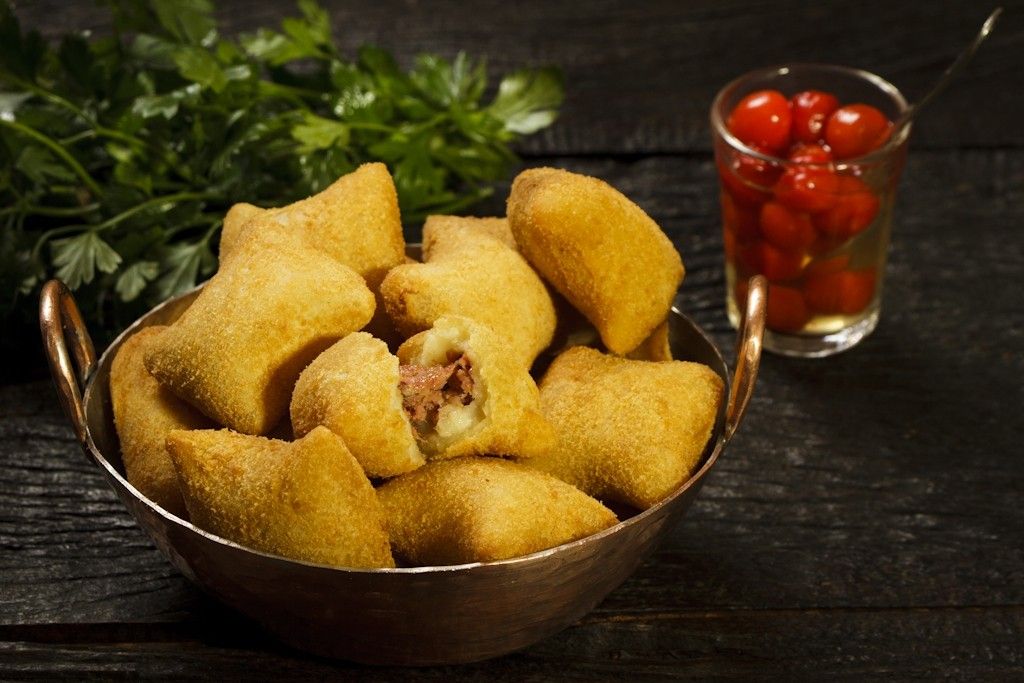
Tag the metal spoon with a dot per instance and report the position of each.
(953, 71)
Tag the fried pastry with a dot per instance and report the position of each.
(470, 270)
(352, 389)
(598, 249)
(628, 431)
(234, 221)
(144, 412)
(236, 352)
(466, 395)
(656, 347)
(306, 500)
(354, 221)
(484, 509)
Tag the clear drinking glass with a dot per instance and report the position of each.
(825, 290)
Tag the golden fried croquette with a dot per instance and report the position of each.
(234, 221)
(236, 352)
(498, 228)
(628, 431)
(471, 273)
(354, 221)
(352, 389)
(144, 412)
(466, 395)
(484, 509)
(656, 347)
(305, 500)
(598, 249)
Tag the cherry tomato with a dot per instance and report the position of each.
(855, 130)
(775, 264)
(786, 229)
(748, 259)
(854, 209)
(762, 118)
(846, 292)
(729, 242)
(825, 266)
(740, 289)
(741, 220)
(787, 310)
(810, 109)
(807, 189)
(747, 179)
(804, 153)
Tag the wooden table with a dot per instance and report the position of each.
(867, 521)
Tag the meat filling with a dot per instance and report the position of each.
(427, 389)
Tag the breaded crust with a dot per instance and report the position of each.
(355, 221)
(496, 227)
(484, 509)
(471, 273)
(144, 412)
(598, 249)
(508, 420)
(307, 500)
(628, 431)
(236, 352)
(656, 347)
(352, 389)
(234, 222)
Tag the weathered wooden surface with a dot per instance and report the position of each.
(641, 75)
(866, 521)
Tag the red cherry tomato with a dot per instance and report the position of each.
(825, 266)
(748, 259)
(762, 118)
(807, 189)
(854, 208)
(786, 229)
(810, 109)
(741, 220)
(855, 130)
(777, 265)
(787, 310)
(729, 243)
(740, 289)
(846, 292)
(803, 153)
(747, 179)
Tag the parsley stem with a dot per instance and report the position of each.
(51, 210)
(124, 215)
(150, 203)
(59, 151)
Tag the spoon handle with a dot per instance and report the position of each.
(952, 71)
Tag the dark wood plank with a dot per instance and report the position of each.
(641, 75)
(793, 645)
(883, 478)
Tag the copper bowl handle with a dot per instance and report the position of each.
(60, 320)
(748, 354)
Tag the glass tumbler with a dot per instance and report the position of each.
(818, 230)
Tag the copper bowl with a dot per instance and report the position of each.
(414, 615)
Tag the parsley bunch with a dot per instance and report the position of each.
(121, 154)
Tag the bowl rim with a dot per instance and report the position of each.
(89, 395)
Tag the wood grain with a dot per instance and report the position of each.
(865, 522)
(854, 483)
(641, 75)
(793, 645)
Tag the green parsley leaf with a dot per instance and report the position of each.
(316, 132)
(77, 258)
(528, 100)
(134, 279)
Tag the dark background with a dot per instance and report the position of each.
(867, 520)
